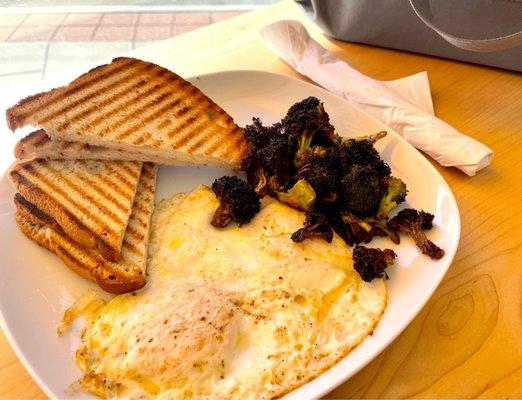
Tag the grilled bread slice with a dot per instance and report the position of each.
(128, 273)
(40, 145)
(90, 200)
(133, 105)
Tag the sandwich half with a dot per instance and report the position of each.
(125, 275)
(138, 107)
(40, 145)
(90, 200)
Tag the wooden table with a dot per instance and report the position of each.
(467, 340)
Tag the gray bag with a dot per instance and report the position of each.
(487, 32)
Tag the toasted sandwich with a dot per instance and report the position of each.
(40, 145)
(135, 106)
(90, 200)
(125, 275)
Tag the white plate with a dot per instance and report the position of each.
(36, 287)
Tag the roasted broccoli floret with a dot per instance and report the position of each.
(413, 222)
(307, 122)
(320, 168)
(371, 263)
(361, 189)
(380, 228)
(373, 138)
(316, 225)
(300, 196)
(259, 135)
(270, 168)
(395, 195)
(339, 226)
(237, 201)
(362, 152)
(361, 231)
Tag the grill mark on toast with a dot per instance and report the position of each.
(106, 194)
(118, 189)
(181, 126)
(143, 138)
(130, 171)
(106, 212)
(189, 135)
(117, 124)
(121, 178)
(134, 100)
(124, 80)
(203, 138)
(184, 121)
(155, 102)
(154, 114)
(77, 88)
(235, 148)
(130, 84)
(132, 249)
(136, 234)
(25, 181)
(214, 146)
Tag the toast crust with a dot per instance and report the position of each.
(90, 200)
(126, 275)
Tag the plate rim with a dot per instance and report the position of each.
(340, 378)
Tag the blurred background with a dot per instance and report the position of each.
(39, 38)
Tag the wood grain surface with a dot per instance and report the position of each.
(466, 342)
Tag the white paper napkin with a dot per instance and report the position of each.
(404, 105)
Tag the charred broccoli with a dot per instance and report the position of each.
(374, 137)
(320, 168)
(413, 222)
(270, 168)
(361, 231)
(259, 135)
(342, 183)
(361, 189)
(307, 122)
(371, 263)
(362, 152)
(316, 225)
(395, 195)
(237, 201)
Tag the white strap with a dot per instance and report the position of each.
(422, 9)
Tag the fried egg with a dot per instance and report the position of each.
(229, 312)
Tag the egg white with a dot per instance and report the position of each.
(229, 313)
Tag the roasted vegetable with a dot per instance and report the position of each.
(374, 137)
(237, 201)
(380, 228)
(395, 195)
(270, 168)
(371, 263)
(316, 225)
(300, 196)
(361, 189)
(362, 152)
(307, 123)
(305, 164)
(258, 135)
(413, 223)
(361, 231)
(320, 168)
